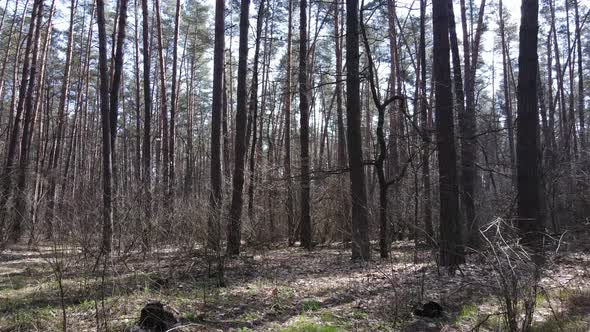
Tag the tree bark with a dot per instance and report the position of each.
(147, 122)
(107, 163)
(306, 230)
(29, 109)
(507, 96)
(530, 220)
(62, 110)
(165, 145)
(451, 239)
(173, 105)
(581, 107)
(425, 155)
(360, 236)
(235, 213)
(215, 201)
(287, 159)
(253, 109)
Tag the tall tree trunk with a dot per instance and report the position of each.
(451, 241)
(137, 164)
(165, 145)
(107, 163)
(507, 96)
(564, 123)
(20, 194)
(306, 231)
(341, 157)
(581, 111)
(173, 104)
(215, 201)
(6, 54)
(147, 122)
(338, 88)
(530, 220)
(14, 119)
(253, 109)
(425, 155)
(115, 88)
(382, 155)
(235, 213)
(62, 111)
(468, 126)
(360, 232)
(287, 160)
(570, 64)
(11, 149)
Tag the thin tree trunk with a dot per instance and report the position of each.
(137, 165)
(425, 155)
(581, 107)
(507, 96)
(468, 127)
(253, 109)
(287, 160)
(62, 111)
(305, 222)
(165, 145)
(107, 163)
(147, 122)
(173, 103)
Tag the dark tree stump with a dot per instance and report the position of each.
(430, 310)
(155, 318)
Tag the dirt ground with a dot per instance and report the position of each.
(277, 289)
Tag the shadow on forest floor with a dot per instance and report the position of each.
(283, 289)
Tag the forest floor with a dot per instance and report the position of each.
(279, 289)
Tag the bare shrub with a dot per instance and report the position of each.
(516, 272)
